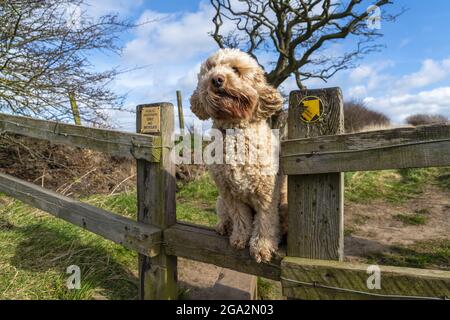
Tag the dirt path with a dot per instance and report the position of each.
(375, 227)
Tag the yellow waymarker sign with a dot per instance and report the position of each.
(312, 109)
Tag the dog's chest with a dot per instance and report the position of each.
(250, 161)
(241, 181)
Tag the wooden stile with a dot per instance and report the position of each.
(316, 201)
(314, 157)
(156, 201)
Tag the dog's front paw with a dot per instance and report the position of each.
(223, 228)
(262, 249)
(238, 240)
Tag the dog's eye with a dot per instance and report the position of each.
(236, 70)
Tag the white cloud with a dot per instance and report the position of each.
(99, 8)
(436, 101)
(172, 38)
(171, 48)
(431, 72)
(370, 78)
(362, 72)
(398, 96)
(357, 92)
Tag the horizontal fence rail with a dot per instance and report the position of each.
(321, 279)
(205, 245)
(112, 142)
(419, 147)
(139, 237)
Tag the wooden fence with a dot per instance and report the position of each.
(314, 157)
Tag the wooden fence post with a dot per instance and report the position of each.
(316, 201)
(180, 111)
(156, 201)
(75, 110)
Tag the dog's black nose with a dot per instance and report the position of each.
(218, 81)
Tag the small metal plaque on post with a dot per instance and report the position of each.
(150, 120)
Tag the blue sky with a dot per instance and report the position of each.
(411, 75)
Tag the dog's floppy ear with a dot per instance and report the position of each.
(197, 106)
(270, 100)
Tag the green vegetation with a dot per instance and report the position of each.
(122, 203)
(269, 289)
(443, 178)
(37, 249)
(393, 186)
(196, 202)
(348, 231)
(416, 219)
(426, 254)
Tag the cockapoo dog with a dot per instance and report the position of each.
(233, 92)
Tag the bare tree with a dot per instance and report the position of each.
(426, 119)
(45, 46)
(358, 116)
(299, 32)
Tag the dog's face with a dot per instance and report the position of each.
(232, 86)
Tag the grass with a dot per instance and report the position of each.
(196, 202)
(269, 289)
(424, 255)
(37, 248)
(393, 186)
(416, 219)
(443, 178)
(348, 231)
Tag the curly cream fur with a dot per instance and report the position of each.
(251, 195)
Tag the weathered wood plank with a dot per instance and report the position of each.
(109, 141)
(409, 147)
(307, 279)
(316, 201)
(205, 245)
(156, 203)
(131, 234)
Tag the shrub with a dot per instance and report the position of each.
(357, 116)
(424, 119)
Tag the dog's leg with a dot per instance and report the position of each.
(266, 229)
(235, 219)
(225, 225)
(241, 216)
